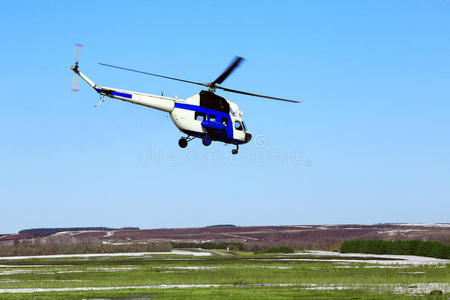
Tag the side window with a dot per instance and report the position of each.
(238, 125)
(224, 121)
(200, 116)
(212, 118)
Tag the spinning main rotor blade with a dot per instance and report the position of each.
(227, 72)
(211, 85)
(256, 95)
(152, 74)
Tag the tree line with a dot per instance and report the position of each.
(281, 249)
(208, 245)
(413, 247)
(26, 248)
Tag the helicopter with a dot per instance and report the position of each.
(205, 115)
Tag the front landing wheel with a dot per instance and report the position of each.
(235, 151)
(206, 140)
(182, 143)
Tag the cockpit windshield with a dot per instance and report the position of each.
(243, 125)
(237, 125)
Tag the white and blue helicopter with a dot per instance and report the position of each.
(206, 116)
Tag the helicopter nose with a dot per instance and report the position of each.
(248, 137)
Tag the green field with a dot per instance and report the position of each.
(239, 276)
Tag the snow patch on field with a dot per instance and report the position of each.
(398, 231)
(273, 267)
(371, 267)
(222, 267)
(175, 252)
(61, 271)
(14, 272)
(190, 268)
(241, 236)
(46, 280)
(113, 269)
(392, 259)
(30, 266)
(437, 225)
(416, 288)
(182, 252)
(162, 286)
(353, 228)
(108, 234)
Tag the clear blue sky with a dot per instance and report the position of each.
(370, 142)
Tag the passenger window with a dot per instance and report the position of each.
(200, 116)
(212, 118)
(224, 121)
(238, 125)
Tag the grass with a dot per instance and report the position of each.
(239, 269)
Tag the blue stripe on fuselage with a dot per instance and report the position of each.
(113, 93)
(191, 107)
(122, 94)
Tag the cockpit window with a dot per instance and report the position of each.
(212, 118)
(200, 116)
(243, 125)
(237, 125)
(224, 121)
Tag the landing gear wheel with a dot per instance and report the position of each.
(206, 140)
(182, 142)
(235, 151)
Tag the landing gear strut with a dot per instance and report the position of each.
(235, 151)
(183, 142)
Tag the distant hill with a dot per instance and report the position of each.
(48, 231)
(323, 237)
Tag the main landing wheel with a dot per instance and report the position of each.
(182, 142)
(206, 140)
(235, 151)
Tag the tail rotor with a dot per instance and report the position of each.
(78, 48)
(75, 83)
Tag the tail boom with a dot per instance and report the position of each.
(149, 100)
